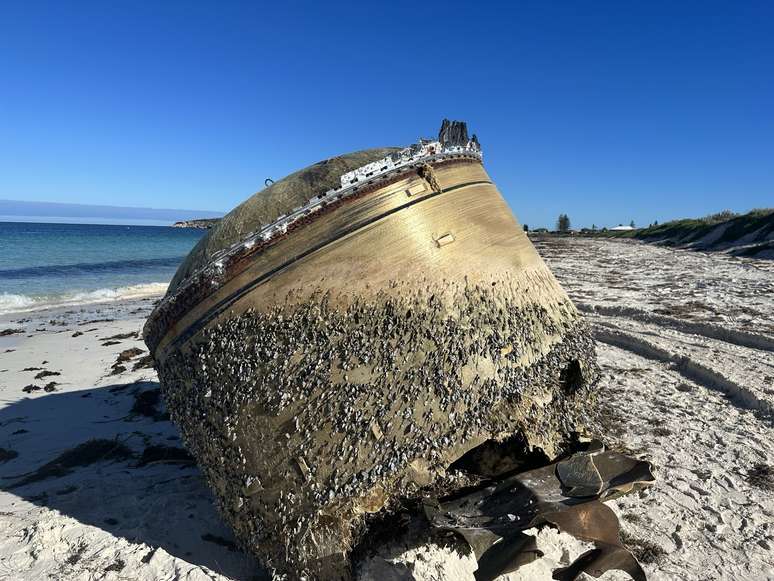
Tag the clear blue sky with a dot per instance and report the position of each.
(609, 111)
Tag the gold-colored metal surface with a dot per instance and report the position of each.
(387, 237)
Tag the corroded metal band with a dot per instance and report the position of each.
(180, 316)
(226, 302)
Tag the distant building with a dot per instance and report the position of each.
(622, 227)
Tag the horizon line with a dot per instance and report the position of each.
(24, 211)
(88, 221)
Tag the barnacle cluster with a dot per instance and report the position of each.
(306, 417)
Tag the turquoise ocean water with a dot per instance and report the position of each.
(68, 264)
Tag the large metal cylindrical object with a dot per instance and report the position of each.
(347, 360)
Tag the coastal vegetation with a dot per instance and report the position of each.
(563, 223)
(750, 234)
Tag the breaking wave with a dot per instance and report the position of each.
(15, 303)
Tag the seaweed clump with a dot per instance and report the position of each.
(85, 454)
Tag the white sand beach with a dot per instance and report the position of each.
(94, 483)
(686, 345)
(142, 510)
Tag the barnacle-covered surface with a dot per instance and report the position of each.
(305, 419)
(348, 364)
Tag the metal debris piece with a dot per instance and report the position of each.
(442, 241)
(595, 522)
(579, 476)
(492, 517)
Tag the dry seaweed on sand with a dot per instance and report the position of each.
(762, 476)
(644, 550)
(128, 354)
(6, 455)
(116, 566)
(90, 321)
(121, 336)
(210, 538)
(6, 332)
(144, 362)
(160, 454)
(85, 454)
(66, 490)
(76, 555)
(146, 404)
(123, 357)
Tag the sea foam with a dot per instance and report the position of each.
(16, 303)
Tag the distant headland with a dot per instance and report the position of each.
(24, 211)
(201, 223)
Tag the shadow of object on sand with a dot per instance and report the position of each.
(163, 504)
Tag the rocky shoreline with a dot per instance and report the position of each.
(201, 223)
